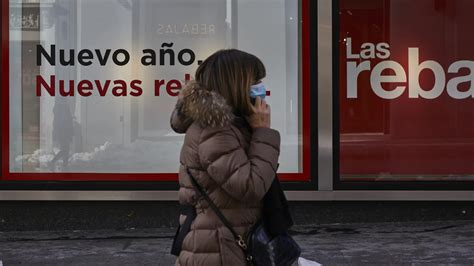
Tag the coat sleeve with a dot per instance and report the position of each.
(245, 176)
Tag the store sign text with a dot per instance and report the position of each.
(359, 62)
(166, 56)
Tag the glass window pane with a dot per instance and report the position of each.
(406, 93)
(108, 131)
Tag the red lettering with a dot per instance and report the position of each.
(136, 89)
(173, 87)
(62, 89)
(120, 89)
(158, 84)
(102, 90)
(187, 78)
(84, 88)
(40, 82)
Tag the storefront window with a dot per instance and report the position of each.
(406, 95)
(120, 122)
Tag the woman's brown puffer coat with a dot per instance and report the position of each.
(234, 166)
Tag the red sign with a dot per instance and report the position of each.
(406, 89)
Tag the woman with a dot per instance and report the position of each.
(231, 151)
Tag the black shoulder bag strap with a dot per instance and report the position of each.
(238, 238)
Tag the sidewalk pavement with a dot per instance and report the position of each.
(427, 243)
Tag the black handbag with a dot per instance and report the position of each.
(260, 248)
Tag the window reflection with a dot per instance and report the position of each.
(131, 134)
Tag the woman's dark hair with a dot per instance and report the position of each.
(231, 72)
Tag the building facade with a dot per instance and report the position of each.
(373, 98)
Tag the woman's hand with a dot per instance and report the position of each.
(261, 114)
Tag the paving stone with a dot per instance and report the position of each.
(427, 243)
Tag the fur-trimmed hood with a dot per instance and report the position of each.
(196, 104)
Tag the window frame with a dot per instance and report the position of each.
(306, 180)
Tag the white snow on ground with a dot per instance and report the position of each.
(89, 156)
(37, 156)
(139, 157)
(43, 156)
